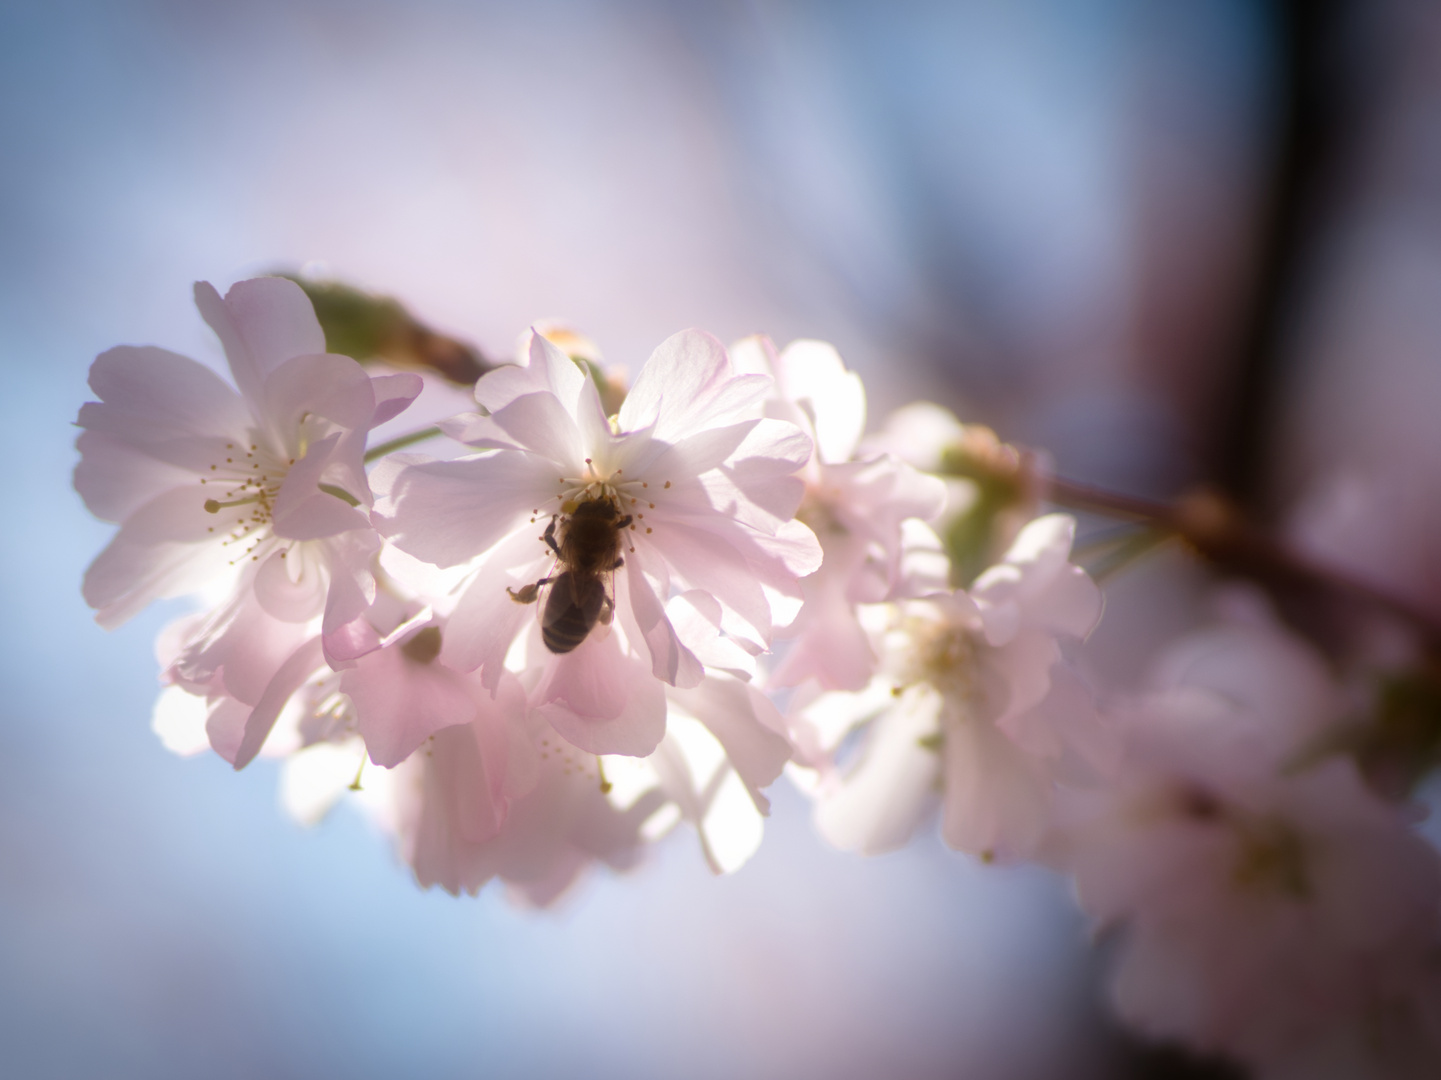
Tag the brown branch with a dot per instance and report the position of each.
(1218, 531)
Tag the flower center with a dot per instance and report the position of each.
(817, 513)
(1272, 859)
(629, 497)
(246, 483)
(1270, 854)
(943, 655)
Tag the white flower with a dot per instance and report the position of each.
(266, 485)
(700, 487)
(1263, 904)
(972, 705)
(555, 822)
(858, 510)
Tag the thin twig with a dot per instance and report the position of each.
(1219, 531)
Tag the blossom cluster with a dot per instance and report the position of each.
(606, 610)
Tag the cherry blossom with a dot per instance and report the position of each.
(1264, 902)
(265, 485)
(533, 814)
(701, 486)
(972, 708)
(858, 510)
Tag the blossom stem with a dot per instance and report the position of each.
(1218, 530)
(400, 442)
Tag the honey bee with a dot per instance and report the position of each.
(588, 553)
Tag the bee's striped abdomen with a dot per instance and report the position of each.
(571, 611)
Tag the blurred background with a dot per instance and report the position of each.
(1170, 243)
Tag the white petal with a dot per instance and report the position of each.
(812, 374)
(116, 478)
(541, 424)
(163, 549)
(179, 720)
(733, 713)
(688, 385)
(603, 700)
(168, 405)
(997, 799)
(287, 599)
(261, 323)
(671, 661)
(886, 796)
(400, 703)
(448, 512)
(288, 679)
(333, 387)
(486, 620)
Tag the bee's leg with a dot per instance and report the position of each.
(549, 537)
(619, 562)
(607, 612)
(528, 593)
(623, 522)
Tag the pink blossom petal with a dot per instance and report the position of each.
(292, 674)
(448, 512)
(832, 648)
(158, 552)
(261, 323)
(1024, 663)
(393, 395)
(335, 388)
(1066, 721)
(812, 374)
(753, 355)
(708, 563)
(602, 699)
(541, 424)
(287, 599)
(349, 557)
(892, 788)
(757, 485)
(116, 478)
(746, 724)
(687, 385)
(225, 726)
(467, 770)
(178, 410)
(549, 371)
(671, 661)
(793, 552)
(238, 648)
(305, 512)
(400, 702)
(487, 619)
(696, 617)
(1036, 578)
(997, 800)
(348, 642)
(481, 432)
(692, 455)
